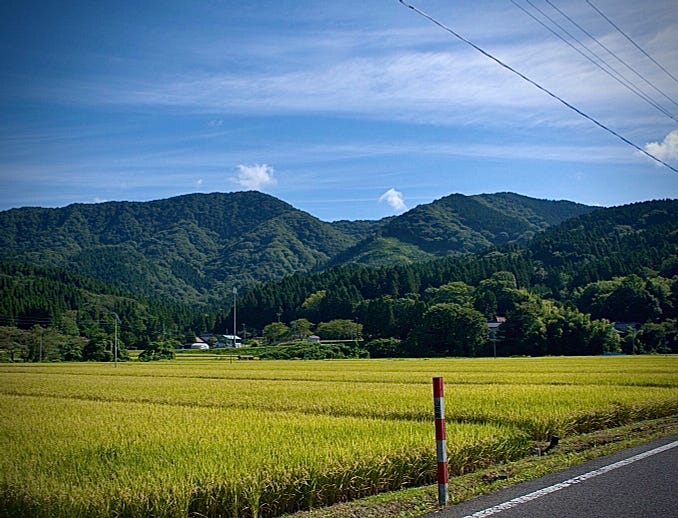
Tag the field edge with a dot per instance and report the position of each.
(571, 451)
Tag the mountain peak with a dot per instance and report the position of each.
(194, 247)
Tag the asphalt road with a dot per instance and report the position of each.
(639, 482)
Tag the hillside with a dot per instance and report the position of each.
(74, 305)
(180, 249)
(459, 224)
(612, 242)
(195, 248)
(617, 264)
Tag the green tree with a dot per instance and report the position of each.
(604, 338)
(524, 331)
(99, 348)
(456, 292)
(340, 329)
(385, 348)
(302, 327)
(311, 305)
(377, 316)
(14, 342)
(408, 312)
(630, 301)
(657, 337)
(498, 294)
(275, 332)
(157, 350)
(453, 329)
(72, 347)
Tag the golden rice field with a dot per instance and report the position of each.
(251, 439)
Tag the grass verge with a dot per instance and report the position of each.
(570, 451)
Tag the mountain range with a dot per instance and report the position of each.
(196, 248)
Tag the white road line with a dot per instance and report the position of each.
(570, 482)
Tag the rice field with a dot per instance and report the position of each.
(257, 439)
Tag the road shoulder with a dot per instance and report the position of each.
(543, 497)
(571, 451)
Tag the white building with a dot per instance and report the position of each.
(229, 341)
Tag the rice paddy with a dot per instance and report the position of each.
(256, 439)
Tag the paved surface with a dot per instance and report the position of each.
(640, 482)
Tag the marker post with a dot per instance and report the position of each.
(441, 441)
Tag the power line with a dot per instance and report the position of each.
(601, 13)
(597, 61)
(537, 85)
(612, 53)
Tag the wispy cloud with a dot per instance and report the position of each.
(394, 199)
(255, 177)
(398, 69)
(441, 87)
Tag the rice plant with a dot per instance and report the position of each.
(215, 438)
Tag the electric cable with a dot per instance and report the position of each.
(537, 85)
(601, 13)
(611, 52)
(609, 70)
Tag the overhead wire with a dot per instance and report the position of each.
(605, 67)
(604, 16)
(611, 52)
(48, 321)
(536, 85)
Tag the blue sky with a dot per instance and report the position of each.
(356, 109)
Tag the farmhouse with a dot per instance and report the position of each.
(624, 328)
(197, 343)
(220, 341)
(229, 341)
(493, 326)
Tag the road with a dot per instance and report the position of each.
(639, 482)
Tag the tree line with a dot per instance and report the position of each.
(559, 294)
(452, 320)
(51, 314)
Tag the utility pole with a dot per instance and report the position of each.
(115, 347)
(235, 294)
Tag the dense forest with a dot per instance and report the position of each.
(548, 286)
(559, 294)
(194, 249)
(53, 314)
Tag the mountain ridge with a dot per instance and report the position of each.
(460, 224)
(195, 248)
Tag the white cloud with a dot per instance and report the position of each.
(667, 150)
(394, 199)
(256, 176)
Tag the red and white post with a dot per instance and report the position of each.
(441, 440)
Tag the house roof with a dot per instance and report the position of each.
(625, 327)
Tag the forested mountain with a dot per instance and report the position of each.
(195, 248)
(74, 317)
(559, 291)
(186, 249)
(459, 224)
(619, 264)
(608, 242)
(597, 246)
